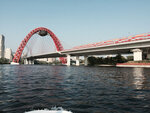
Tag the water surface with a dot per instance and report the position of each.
(78, 89)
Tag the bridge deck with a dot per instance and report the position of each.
(116, 48)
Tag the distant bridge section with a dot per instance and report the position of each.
(136, 47)
(115, 48)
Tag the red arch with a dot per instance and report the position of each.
(20, 49)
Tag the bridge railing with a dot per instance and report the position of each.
(144, 36)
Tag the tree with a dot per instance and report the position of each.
(120, 59)
(107, 60)
(130, 58)
(92, 60)
(4, 61)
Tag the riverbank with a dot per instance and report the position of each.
(127, 64)
(105, 65)
(146, 65)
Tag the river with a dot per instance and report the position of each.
(76, 89)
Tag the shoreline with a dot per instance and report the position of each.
(105, 65)
(146, 65)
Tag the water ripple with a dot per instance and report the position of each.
(77, 89)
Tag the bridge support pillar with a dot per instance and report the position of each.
(68, 60)
(137, 54)
(148, 56)
(85, 60)
(32, 62)
(25, 61)
(77, 61)
(29, 62)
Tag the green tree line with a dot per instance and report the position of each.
(107, 60)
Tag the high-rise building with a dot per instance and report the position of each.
(2, 46)
(8, 54)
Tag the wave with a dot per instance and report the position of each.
(53, 110)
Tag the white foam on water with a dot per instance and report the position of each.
(53, 110)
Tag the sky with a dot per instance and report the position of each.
(74, 22)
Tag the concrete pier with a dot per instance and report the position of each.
(85, 60)
(137, 54)
(68, 60)
(77, 61)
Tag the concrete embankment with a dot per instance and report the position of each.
(146, 65)
(105, 65)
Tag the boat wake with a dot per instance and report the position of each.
(53, 110)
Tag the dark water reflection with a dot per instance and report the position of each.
(79, 89)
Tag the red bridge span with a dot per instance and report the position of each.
(24, 42)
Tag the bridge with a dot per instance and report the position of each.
(139, 45)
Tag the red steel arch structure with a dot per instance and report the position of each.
(21, 47)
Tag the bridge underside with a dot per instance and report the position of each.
(102, 53)
(50, 55)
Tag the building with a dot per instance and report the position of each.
(4, 53)
(2, 46)
(8, 54)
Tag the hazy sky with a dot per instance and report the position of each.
(75, 22)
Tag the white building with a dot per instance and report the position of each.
(2, 46)
(8, 54)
